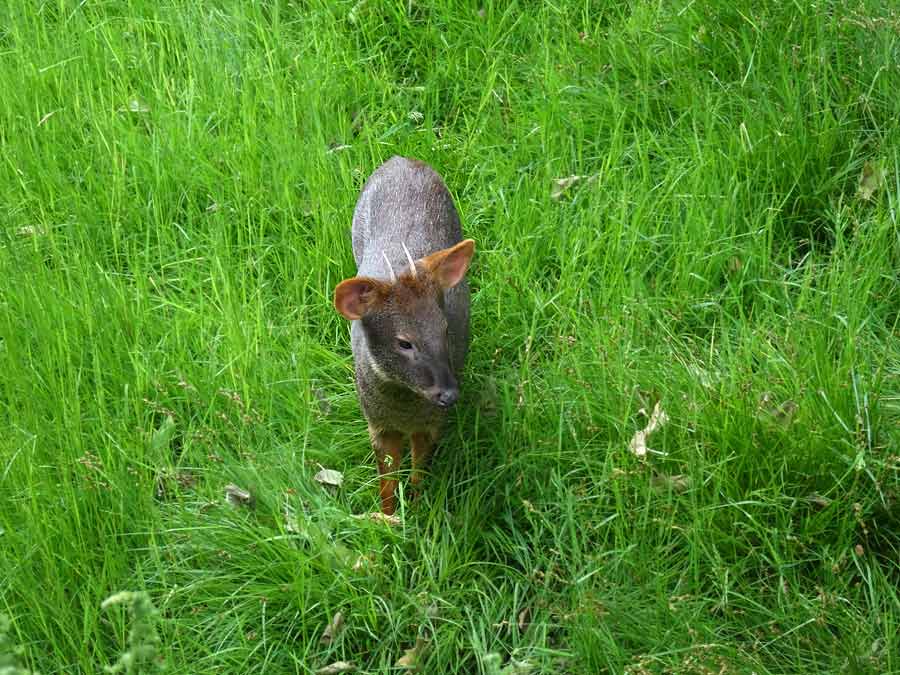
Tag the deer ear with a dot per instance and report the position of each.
(356, 297)
(449, 265)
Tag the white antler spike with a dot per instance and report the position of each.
(390, 269)
(412, 265)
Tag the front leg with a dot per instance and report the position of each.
(422, 447)
(388, 447)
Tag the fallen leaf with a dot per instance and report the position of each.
(412, 658)
(362, 562)
(561, 185)
(237, 496)
(870, 179)
(379, 517)
(818, 500)
(136, 106)
(524, 619)
(30, 231)
(638, 443)
(785, 412)
(336, 668)
(329, 477)
(332, 630)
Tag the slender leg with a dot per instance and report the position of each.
(389, 451)
(422, 445)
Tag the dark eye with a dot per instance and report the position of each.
(403, 344)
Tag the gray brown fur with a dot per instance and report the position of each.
(409, 307)
(406, 201)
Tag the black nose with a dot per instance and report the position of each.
(446, 397)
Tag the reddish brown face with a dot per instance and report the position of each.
(405, 327)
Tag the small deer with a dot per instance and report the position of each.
(409, 313)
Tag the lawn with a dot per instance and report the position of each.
(686, 206)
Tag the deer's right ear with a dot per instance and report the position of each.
(356, 297)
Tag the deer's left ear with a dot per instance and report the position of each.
(448, 266)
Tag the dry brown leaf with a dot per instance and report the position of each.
(332, 630)
(638, 443)
(337, 668)
(329, 477)
(870, 179)
(414, 656)
(237, 496)
(524, 619)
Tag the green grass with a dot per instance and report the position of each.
(176, 189)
